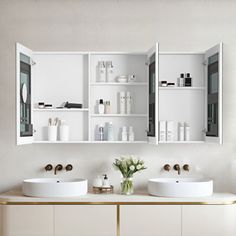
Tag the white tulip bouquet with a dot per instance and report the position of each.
(128, 166)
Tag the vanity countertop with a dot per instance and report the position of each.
(15, 197)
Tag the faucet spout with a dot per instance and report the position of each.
(177, 168)
(58, 168)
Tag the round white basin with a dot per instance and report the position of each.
(55, 187)
(180, 187)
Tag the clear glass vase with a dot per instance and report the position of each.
(127, 186)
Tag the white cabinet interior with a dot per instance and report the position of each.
(58, 77)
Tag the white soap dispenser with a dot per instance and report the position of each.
(106, 183)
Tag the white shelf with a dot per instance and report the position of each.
(181, 88)
(118, 115)
(119, 84)
(61, 109)
(118, 142)
(90, 142)
(180, 142)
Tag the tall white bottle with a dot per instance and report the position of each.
(109, 71)
(181, 131)
(110, 133)
(131, 134)
(124, 134)
(170, 131)
(101, 71)
(128, 102)
(122, 102)
(186, 131)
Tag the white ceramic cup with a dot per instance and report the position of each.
(64, 132)
(52, 133)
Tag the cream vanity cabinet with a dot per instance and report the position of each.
(85, 220)
(209, 220)
(27, 220)
(57, 77)
(75, 220)
(150, 220)
(113, 220)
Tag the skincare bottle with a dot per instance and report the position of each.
(105, 182)
(181, 131)
(122, 102)
(101, 133)
(128, 103)
(170, 131)
(101, 71)
(131, 134)
(109, 71)
(110, 134)
(188, 80)
(124, 136)
(186, 131)
(107, 107)
(101, 107)
(181, 80)
(162, 128)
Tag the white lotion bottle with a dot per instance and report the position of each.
(170, 131)
(124, 135)
(186, 131)
(122, 102)
(101, 107)
(131, 134)
(128, 102)
(110, 133)
(162, 130)
(105, 182)
(109, 71)
(101, 71)
(181, 131)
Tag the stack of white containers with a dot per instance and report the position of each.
(167, 130)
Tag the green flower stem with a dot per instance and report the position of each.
(127, 186)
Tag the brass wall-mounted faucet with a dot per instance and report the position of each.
(58, 167)
(176, 167)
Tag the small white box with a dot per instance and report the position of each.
(162, 130)
(170, 130)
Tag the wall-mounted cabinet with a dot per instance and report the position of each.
(57, 77)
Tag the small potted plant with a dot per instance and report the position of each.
(128, 166)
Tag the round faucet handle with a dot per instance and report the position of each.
(176, 167)
(167, 167)
(186, 167)
(69, 167)
(48, 167)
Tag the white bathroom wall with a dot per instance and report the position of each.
(117, 25)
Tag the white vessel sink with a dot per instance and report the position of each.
(55, 187)
(180, 187)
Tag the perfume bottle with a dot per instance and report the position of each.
(101, 71)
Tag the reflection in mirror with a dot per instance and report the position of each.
(24, 93)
